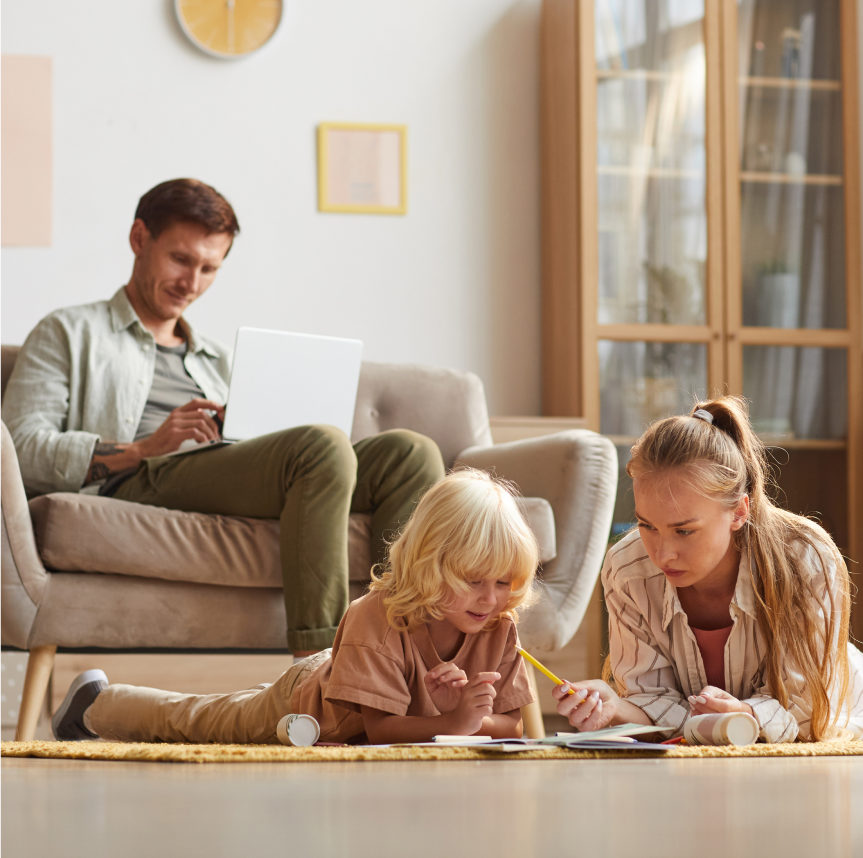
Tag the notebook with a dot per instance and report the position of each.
(281, 379)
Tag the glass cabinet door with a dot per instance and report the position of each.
(650, 108)
(652, 212)
(651, 184)
(790, 154)
(702, 230)
(792, 317)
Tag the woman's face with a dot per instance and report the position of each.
(687, 535)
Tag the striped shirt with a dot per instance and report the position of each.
(657, 663)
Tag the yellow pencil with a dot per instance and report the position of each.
(541, 667)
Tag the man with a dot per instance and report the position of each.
(101, 392)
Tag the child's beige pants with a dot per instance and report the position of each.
(131, 713)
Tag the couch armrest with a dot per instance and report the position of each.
(576, 471)
(24, 577)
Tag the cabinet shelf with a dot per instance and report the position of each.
(786, 83)
(758, 82)
(769, 178)
(636, 74)
(650, 172)
(751, 176)
(772, 442)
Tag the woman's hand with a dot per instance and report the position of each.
(593, 705)
(444, 683)
(712, 699)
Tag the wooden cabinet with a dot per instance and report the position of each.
(701, 229)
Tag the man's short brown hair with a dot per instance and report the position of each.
(186, 200)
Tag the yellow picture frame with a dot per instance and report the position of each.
(362, 168)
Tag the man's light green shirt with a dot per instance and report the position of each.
(84, 375)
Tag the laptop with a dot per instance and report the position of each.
(282, 379)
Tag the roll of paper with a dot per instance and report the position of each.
(726, 728)
(298, 730)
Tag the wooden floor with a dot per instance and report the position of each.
(722, 807)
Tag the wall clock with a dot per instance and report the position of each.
(229, 29)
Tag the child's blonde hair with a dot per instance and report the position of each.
(467, 527)
(724, 460)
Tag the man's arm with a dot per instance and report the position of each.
(108, 458)
(53, 456)
(195, 421)
(44, 406)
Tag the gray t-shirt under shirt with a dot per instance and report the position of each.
(172, 387)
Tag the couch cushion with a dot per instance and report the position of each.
(88, 533)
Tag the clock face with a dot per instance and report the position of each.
(229, 29)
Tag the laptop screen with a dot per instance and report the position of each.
(282, 379)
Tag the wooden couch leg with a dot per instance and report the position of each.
(40, 663)
(531, 715)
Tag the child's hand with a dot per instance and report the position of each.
(591, 707)
(444, 683)
(476, 703)
(712, 699)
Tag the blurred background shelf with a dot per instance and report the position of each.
(702, 231)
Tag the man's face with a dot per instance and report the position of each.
(173, 270)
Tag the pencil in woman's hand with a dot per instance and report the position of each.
(542, 668)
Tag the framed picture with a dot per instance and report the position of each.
(362, 168)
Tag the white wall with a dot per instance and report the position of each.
(455, 282)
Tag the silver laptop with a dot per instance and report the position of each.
(282, 379)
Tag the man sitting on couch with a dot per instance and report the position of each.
(101, 392)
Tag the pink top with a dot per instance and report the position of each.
(711, 642)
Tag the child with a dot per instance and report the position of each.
(430, 649)
(720, 601)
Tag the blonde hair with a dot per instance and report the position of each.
(725, 460)
(467, 527)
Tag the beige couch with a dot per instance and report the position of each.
(80, 571)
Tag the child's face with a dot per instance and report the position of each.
(485, 600)
(687, 535)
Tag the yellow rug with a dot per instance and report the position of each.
(178, 753)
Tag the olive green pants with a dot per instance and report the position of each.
(310, 478)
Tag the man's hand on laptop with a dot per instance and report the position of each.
(199, 421)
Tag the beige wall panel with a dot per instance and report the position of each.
(26, 151)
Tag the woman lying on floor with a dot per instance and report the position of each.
(720, 601)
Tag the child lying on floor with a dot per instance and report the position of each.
(429, 650)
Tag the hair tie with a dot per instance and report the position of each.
(701, 414)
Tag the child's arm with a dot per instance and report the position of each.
(382, 728)
(473, 714)
(503, 725)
